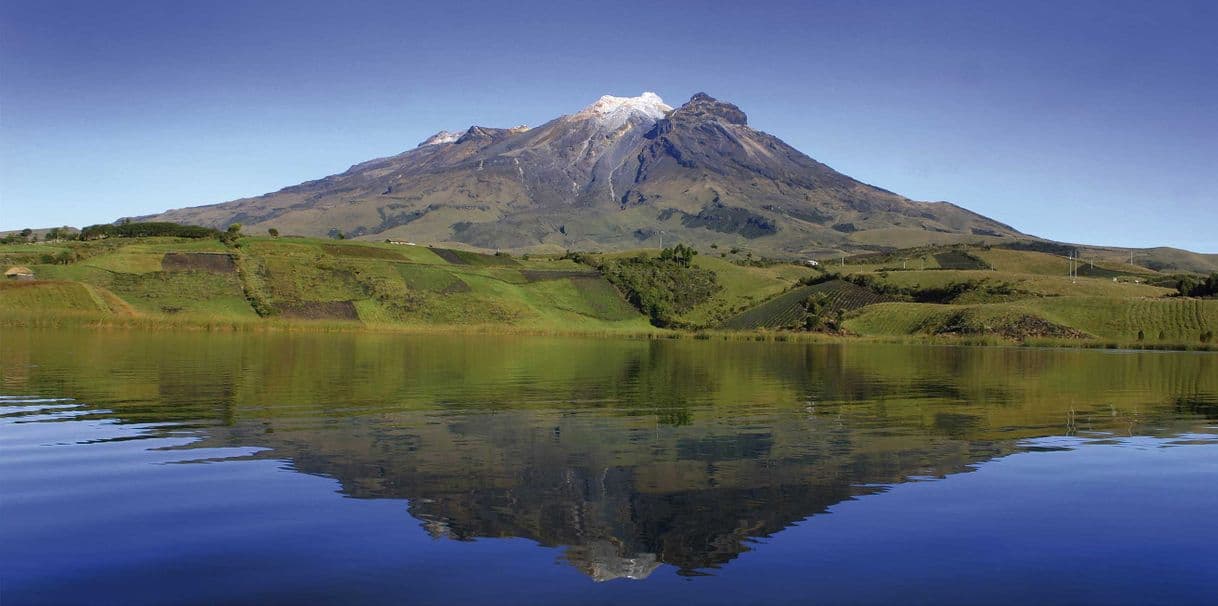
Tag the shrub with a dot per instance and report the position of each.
(662, 288)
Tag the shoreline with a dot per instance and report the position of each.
(261, 325)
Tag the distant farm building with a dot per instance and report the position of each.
(812, 263)
(19, 273)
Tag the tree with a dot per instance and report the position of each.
(231, 234)
(26, 233)
(273, 232)
(819, 313)
(1198, 287)
(58, 233)
(816, 308)
(681, 254)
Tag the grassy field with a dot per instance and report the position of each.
(51, 295)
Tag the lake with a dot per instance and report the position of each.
(208, 468)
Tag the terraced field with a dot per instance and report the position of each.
(958, 259)
(787, 308)
(311, 279)
(380, 283)
(1166, 320)
(1176, 320)
(47, 294)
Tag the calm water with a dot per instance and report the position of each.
(202, 468)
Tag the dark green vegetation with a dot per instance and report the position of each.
(663, 287)
(129, 229)
(959, 259)
(790, 309)
(1190, 286)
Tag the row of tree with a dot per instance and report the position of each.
(1191, 286)
(135, 229)
(28, 235)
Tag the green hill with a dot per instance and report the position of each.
(308, 279)
(927, 292)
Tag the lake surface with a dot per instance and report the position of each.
(279, 468)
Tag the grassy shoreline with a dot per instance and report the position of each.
(90, 321)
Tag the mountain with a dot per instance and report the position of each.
(622, 173)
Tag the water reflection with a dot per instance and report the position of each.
(628, 454)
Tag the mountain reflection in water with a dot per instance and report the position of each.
(630, 454)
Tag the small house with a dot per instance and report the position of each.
(19, 273)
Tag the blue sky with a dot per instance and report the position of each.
(1092, 122)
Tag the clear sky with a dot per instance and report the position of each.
(1093, 122)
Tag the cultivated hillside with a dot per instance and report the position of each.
(943, 292)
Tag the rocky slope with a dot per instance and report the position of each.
(621, 173)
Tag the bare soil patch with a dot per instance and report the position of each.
(216, 263)
(320, 310)
(363, 252)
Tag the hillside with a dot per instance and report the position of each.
(620, 174)
(935, 292)
(305, 279)
(983, 291)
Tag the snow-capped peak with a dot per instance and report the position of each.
(613, 109)
(443, 136)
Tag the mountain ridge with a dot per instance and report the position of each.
(621, 173)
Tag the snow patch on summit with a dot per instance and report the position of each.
(443, 136)
(615, 111)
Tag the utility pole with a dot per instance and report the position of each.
(661, 239)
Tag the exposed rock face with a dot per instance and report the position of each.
(613, 175)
